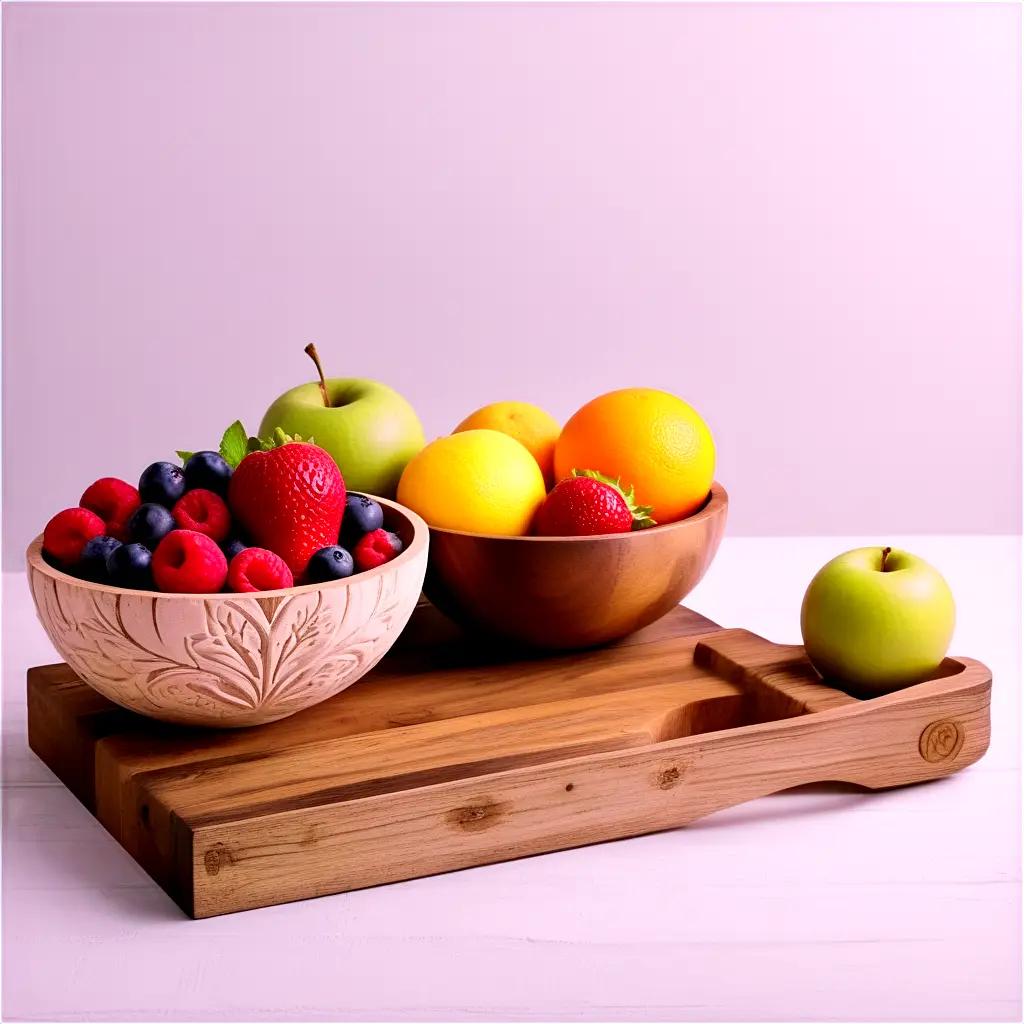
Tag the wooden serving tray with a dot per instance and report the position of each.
(452, 753)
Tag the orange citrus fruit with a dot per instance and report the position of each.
(476, 481)
(531, 426)
(646, 438)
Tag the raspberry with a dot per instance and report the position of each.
(258, 569)
(69, 531)
(376, 548)
(204, 512)
(113, 501)
(187, 562)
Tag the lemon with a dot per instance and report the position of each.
(477, 481)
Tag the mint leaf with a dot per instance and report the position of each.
(234, 445)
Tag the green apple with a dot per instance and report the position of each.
(369, 428)
(877, 619)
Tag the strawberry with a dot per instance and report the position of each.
(588, 503)
(289, 499)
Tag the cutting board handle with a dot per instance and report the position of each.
(922, 732)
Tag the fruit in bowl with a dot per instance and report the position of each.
(185, 620)
(651, 440)
(585, 562)
(587, 503)
(536, 430)
(478, 480)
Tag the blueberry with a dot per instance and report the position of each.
(362, 515)
(129, 566)
(163, 483)
(93, 564)
(333, 563)
(232, 546)
(149, 524)
(209, 471)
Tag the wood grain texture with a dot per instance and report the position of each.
(227, 659)
(572, 592)
(443, 758)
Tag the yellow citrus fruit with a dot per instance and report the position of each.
(528, 424)
(478, 481)
(647, 438)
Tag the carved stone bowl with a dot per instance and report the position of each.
(228, 660)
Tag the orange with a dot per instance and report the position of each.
(649, 439)
(531, 426)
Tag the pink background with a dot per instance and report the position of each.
(803, 219)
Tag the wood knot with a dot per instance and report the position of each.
(215, 859)
(941, 741)
(669, 777)
(475, 817)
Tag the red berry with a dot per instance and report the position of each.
(187, 562)
(289, 500)
(113, 501)
(69, 531)
(588, 504)
(376, 548)
(258, 569)
(204, 512)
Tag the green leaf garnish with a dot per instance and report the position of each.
(641, 513)
(234, 445)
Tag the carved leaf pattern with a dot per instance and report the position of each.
(241, 662)
(350, 657)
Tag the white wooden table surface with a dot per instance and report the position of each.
(824, 903)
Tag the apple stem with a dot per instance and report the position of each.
(885, 554)
(311, 351)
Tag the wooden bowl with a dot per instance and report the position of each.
(231, 660)
(572, 592)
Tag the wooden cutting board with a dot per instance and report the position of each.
(454, 753)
